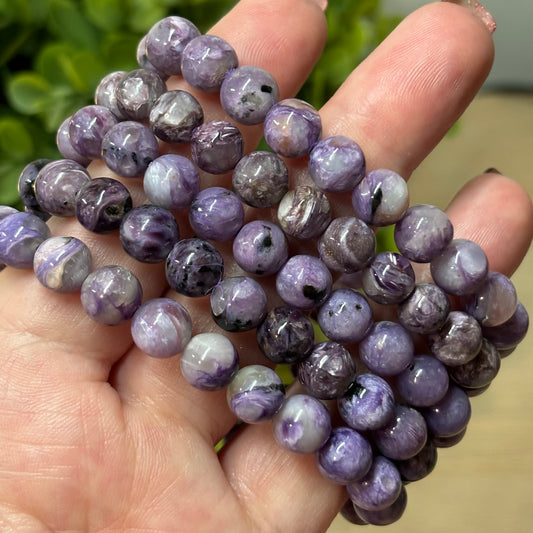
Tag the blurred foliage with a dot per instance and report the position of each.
(54, 52)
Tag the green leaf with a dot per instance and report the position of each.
(118, 51)
(67, 22)
(15, 140)
(105, 14)
(28, 92)
(9, 176)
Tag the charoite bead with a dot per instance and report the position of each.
(507, 335)
(420, 465)
(450, 415)
(255, 394)
(5, 210)
(161, 327)
(26, 187)
(65, 147)
(386, 516)
(61, 264)
(105, 92)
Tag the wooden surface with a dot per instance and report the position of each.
(485, 483)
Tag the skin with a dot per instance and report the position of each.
(96, 436)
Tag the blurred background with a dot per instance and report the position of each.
(54, 52)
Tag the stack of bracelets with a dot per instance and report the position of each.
(444, 333)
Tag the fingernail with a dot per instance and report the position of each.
(479, 10)
(323, 4)
(492, 170)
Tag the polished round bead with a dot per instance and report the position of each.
(137, 92)
(216, 214)
(386, 516)
(128, 148)
(420, 465)
(206, 60)
(255, 394)
(61, 264)
(447, 441)
(175, 115)
(507, 335)
(143, 61)
(345, 317)
(328, 371)
(111, 294)
(165, 42)
(260, 248)
(20, 235)
(369, 403)
(286, 336)
(347, 245)
(387, 349)
(345, 457)
(57, 185)
(302, 425)
(209, 361)
(194, 267)
(26, 185)
(336, 164)
(247, 94)
(101, 205)
(105, 92)
(450, 415)
(461, 268)
(238, 303)
(423, 232)
(148, 233)
(304, 282)
(292, 127)
(381, 198)
(65, 147)
(217, 146)
(87, 128)
(6, 210)
(304, 212)
(349, 513)
(161, 327)
(260, 179)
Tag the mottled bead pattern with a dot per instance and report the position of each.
(175, 115)
(510, 333)
(161, 327)
(248, 93)
(386, 516)
(61, 264)
(105, 94)
(64, 145)
(255, 394)
(5, 211)
(194, 267)
(420, 465)
(26, 183)
(209, 361)
(144, 62)
(292, 127)
(111, 295)
(450, 415)
(302, 425)
(304, 212)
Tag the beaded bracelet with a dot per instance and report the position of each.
(407, 395)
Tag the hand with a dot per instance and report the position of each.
(97, 436)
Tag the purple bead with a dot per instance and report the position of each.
(111, 295)
(261, 179)
(26, 184)
(302, 425)
(304, 212)
(345, 457)
(347, 245)
(6, 210)
(386, 516)
(424, 382)
(209, 361)
(87, 128)
(286, 336)
(447, 441)
(461, 268)
(20, 235)
(148, 233)
(217, 146)
(255, 394)
(161, 327)
(128, 148)
(65, 147)
(388, 279)
(216, 214)
(247, 94)
(292, 127)
(381, 198)
(105, 93)
(369, 403)
(205, 61)
(345, 317)
(174, 116)
(328, 371)
(137, 92)
(61, 264)
(337, 164)
(507, 335)
(425, 310)
(349, 513)
(260, 248)
(450, 415)
(387, 349)
(420, 465)
(57, 185)
(238, 303)
(101, 205)
(379, 488)
(423, 232)
(304, 282)
(194, 267)
(143, 61)
(165, 43)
